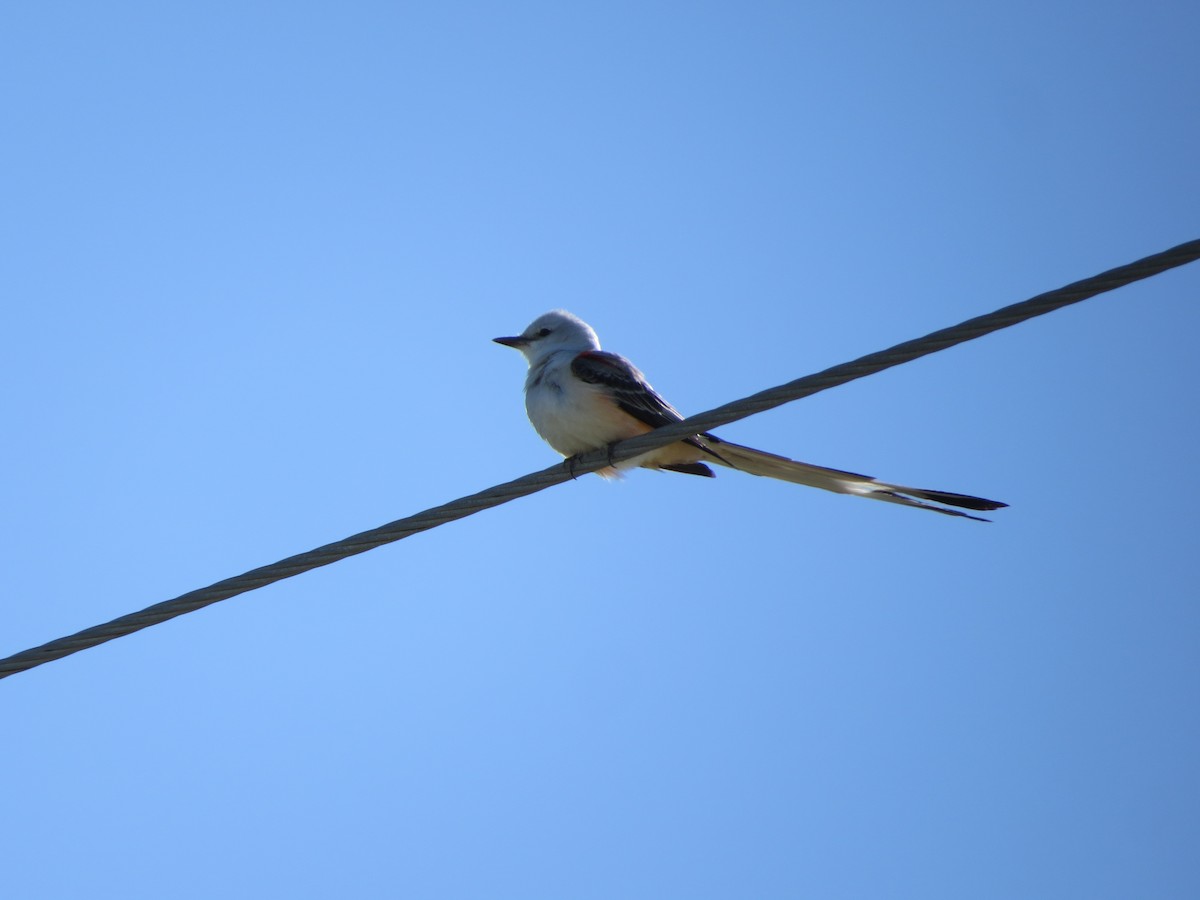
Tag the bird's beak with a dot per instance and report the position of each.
(515, 342)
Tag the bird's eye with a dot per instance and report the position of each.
(543, 332)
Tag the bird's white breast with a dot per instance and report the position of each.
(573, 416)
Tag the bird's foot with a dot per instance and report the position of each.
(569, 462)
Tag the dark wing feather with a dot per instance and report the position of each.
(635, 396)
(629, 386)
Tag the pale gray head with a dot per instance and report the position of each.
(551, 332)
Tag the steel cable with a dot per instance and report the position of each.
(589, 462)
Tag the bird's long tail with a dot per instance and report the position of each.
(756, 462)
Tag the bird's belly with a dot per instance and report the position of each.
(576, 419)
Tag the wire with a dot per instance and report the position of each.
(589, 462)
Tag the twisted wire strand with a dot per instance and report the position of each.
(589, 462)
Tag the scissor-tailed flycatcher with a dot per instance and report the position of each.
(581, 398)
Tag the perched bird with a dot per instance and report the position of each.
(582, 398)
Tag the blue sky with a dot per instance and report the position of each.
(254, 257)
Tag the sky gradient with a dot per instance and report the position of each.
(254, 258)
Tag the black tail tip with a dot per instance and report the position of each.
(964, 501)
(691, 469)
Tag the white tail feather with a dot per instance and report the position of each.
(757, 462)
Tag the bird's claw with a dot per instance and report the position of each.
(571, 461)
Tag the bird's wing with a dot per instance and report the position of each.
(633, 395)
(628, 386)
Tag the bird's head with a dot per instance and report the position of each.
(551, 332)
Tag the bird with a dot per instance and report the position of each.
(581, 398)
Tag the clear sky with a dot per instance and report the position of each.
(253, 258)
